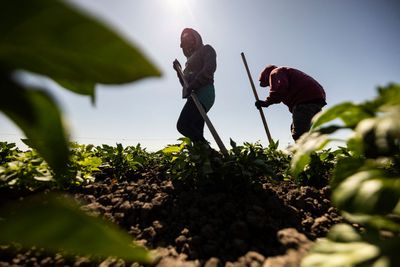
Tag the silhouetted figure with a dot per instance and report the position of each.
(303, 95)
(199, 73)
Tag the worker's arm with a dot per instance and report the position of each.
(279, 84)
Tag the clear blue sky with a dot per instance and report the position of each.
(349, 46)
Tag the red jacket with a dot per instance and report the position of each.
(292, 87)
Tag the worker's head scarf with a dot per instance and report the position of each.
(190, 41)
(264, 76)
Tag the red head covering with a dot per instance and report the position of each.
(190, 41)
(264, 76)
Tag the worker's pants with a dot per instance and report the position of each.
(190, 122)
(302, 115)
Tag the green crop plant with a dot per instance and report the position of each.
(319, 169)
(120, 162)
(188, 162)
(25, 170)
(198, 164)
(252, 161)
(28, 170)
(83, 164)
(7, 151)
(365, 182)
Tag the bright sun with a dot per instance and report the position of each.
(178, 9)
(175, 4)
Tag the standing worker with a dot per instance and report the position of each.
(199, 74)
(303, 95)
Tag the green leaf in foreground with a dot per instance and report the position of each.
(51, 38)
(306, 145)
(345, 247)
(57, 224)
(368, 192)
(389, 95)
(38, 116)
(349, 113)
(82, 88)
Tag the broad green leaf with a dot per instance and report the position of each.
(92, 162)
(378, 195)
(330, 114)
(87, 88)
(345, 167)
(331, 254)
(380, 135)
(351, 114)
(172, 149)
(14, 99)
(389, 95)
(56, 223)
(185, 141)
(388, 129)
(344, 247)
(343, 233)
(355, 145)
(330, 129)
(38, 116)
(367, 192)
(344, 194)
(51, 38)
(380, 222)
(307, 144)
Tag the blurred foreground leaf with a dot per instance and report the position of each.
(38, 116)
(380, 136)
(349, 113)
(345, 247)
(368, 192)
(389, 95)
(366, 184)
(57, 224)
(305, 146)
(53, 39)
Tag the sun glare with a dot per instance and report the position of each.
(179, 10)
(175, 4)
(178, 6)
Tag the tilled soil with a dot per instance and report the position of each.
(272, 223)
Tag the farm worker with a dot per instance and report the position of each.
(303, 95)
(199, 73)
